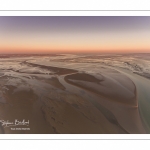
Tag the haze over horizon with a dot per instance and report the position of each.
(87, 34)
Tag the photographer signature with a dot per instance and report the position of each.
(15, 123)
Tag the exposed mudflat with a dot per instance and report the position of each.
(71, 93)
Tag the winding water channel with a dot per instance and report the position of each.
(143, 95)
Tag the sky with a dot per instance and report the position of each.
(69, 34)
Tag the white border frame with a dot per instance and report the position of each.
(75, 136)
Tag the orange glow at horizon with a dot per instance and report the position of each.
(96, 44)
(69, 38)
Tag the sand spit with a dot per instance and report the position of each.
(59, 71)
(110, 88)
(83, 77)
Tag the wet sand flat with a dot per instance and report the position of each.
(110, 88)
(64, 98)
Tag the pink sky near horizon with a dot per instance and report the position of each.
(70, 36)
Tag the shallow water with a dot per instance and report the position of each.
(143, 96)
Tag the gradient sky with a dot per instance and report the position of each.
(27, 34)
